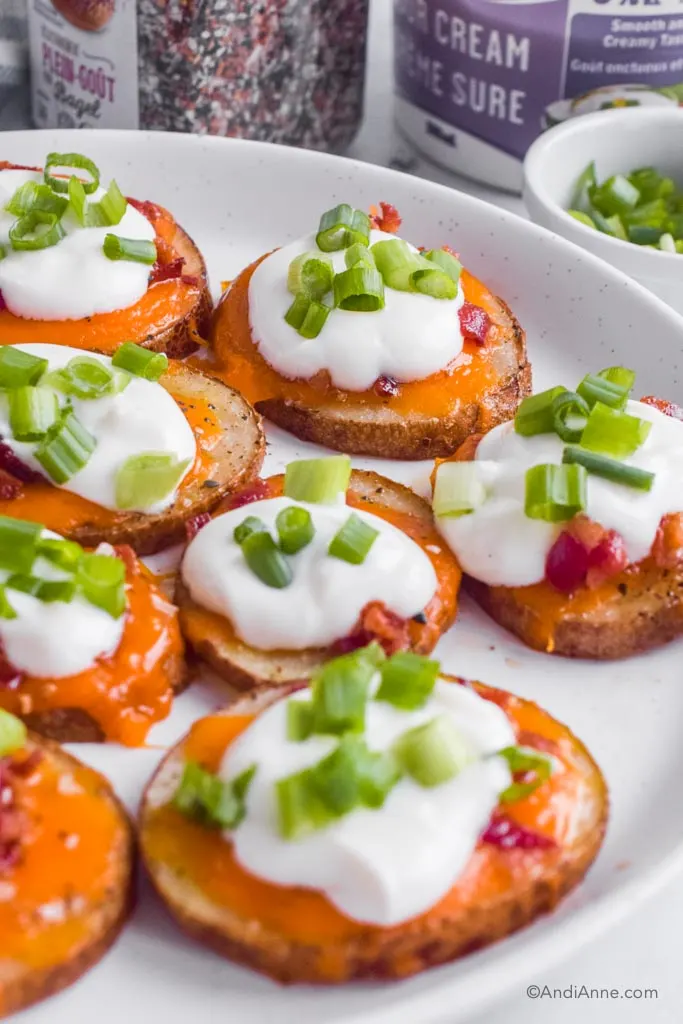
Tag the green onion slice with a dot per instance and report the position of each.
(582, 218)
(587, 179)
(433, 753)
(295, 529)
(70, 161)
(535, 413)
(310, 274)
(148, 478)
(407, 680)
(209, 800)
(6, 609)
(66, 447)
(32, 411)
(44, 590)
(135, 250)
(18, 369)
(360, 290)
(446, 261)
(555, 494)
(352, 542)
(317, 481)
(396, 262)
(594, 388)
(434, 282)
(27, 234)
(18, 544)
(339, 691)
(642, 234)
(107, 212)
(358, 253)
(13, 733)
(458, 489)
(525, 759)
(613, 432)
(609, 469)
(615, 196)
(300, 720)
(570, 414)
(307, 316)
(84, 377)
(140, 361)
(266, 561)
(619, 375)
(34, 196)
(341, 227)
(102, 581)
(65, 554)
(252, 524)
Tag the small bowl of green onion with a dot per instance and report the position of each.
(612, 182)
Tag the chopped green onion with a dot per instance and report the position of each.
(651, 184)
(140, 361)
(300, 720)
(535, 413)
(619, 375)
(407, 680)
(458, 489)
(3, 252)
(360, 289)
(570, 413)
(65, 554)
(108, 212)
(144, 480)
(594, 388)
(34, 196)
(299, 807)
(352, 542)
(446, 261)
(615, 196)
(135, 250)
(252, 524)
(83, 377)
(318, 481)
(112, 206)
(311, 275)
(66, 447)
(525, 759)
(641, 234)
(48, 591)
(18, 369)
(32, 411)
(24, 235)
(339, 691)
(341, 227)
(6, 609)
(609, 469)
(358, 253)
(13, 733)
(295, 529)
(266, 561)
(307, 316)
(433, 753)
(555, 494)
(612, 432)
(18, 542)
(582, 218)
(102, 581)
(434, 282)
(396, 262)
(70, 161)
(587, 179)
(377, 774)
(209, 800)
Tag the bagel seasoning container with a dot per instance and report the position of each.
(478, 80)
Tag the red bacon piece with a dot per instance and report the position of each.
(167, 271)
(148, 209)
(667, 549)
(474, 322)
(10, 487)
(193, 526)
(255, 492)
(386, 387)
(3, 304)
(585, 554)
(505, 833)
(387, 218)
(16, 468)
(668, 408)
(376, 623)
(607, 559)
(567, 563)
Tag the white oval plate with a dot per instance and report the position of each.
(239, 200)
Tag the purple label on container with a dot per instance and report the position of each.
(503, 71)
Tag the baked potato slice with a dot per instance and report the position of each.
(295, 935)
(73, 882)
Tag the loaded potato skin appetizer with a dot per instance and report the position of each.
(129, 449)
(354, 339)
(318, 561)
(66, 867)
(84, 266)
(567, 522)
(270, 830)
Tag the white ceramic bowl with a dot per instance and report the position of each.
(618, 141)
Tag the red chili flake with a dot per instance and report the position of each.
(193, 526)
(386, 387)
(607, 559)
(167, 271)
(255, 492)
(474, 322)
(16, 468)
(505, 833)
(386, 219)
(567, 563)
(10, 487)
(376, 623)
(668, 408)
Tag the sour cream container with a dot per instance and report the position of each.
(478, 80)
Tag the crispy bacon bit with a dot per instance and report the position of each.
(567, 563)
(508, 835)
(376, 622)
(10, 487)
(386, 387)
(10, 677)
(190, 279)
(167, 271)
(193, 526)
(16, 468)
(12, 821)
(255, 492)
(668, 408)
(387, 218)
(585, 554)
(151, 211)
(607, 559)
(586, 531)
(3, 304)
(667, 549)
(474, 322)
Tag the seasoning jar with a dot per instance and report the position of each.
(289, 71)
(478, 80)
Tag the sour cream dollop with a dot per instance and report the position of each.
(413, 337)
(57, 639)
(501, 546)
(326, 596)
(73, 279)
(376, 866)
(141, 418)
